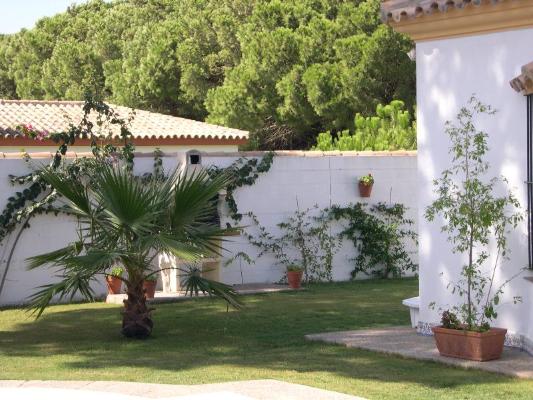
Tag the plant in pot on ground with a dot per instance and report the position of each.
(304, 239)
(477, 222)
(294, 276)
(365, 185)
(149, 284)
(114, 280)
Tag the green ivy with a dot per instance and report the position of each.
(243, 172)
(37, 197)
(305, 240)
(379, 233)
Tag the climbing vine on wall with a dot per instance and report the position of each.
(243, 172)
(305, 239)
(37, 197)
(379, 233)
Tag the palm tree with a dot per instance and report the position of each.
(127, 220)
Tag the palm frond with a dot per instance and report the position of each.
(195, 198)
(92, 262)
(68, 286)
(71, 189)
(126, 201)
(178, 246)
(54, 257)
(194, 284)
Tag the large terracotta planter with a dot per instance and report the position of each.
(149, 289)
(365, 190)
(295, 279)
(476, 346)
(114, 284)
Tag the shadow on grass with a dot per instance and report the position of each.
(266, 337)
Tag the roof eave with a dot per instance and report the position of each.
(464, 19)
(140, 142)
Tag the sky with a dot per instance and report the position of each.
(18, 14)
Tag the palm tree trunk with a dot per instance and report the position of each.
(137, 317)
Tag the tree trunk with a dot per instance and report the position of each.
(137, 317)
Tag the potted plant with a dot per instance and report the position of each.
(149, 284)
(114, 280)
(365, 185)
(474, 217)
(294, 276)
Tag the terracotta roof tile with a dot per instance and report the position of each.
(55, 116)
(396, 10)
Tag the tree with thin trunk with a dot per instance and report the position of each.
(123, 219)
(476, 219)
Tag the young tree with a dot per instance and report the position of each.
(475, 218)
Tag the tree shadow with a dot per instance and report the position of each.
(265, 340)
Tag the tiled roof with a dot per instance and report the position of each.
(55, 116)
(396, 10)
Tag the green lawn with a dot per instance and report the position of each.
(199, 342)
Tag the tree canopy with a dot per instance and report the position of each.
(283, 69)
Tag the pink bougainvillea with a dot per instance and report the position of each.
(31, 132)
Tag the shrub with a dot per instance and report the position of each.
(392, 128)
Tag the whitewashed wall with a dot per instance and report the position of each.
(448, 73)
(305, 179)
(312, 178)
(46, 233)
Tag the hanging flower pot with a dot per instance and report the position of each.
(294, 276)
(113, 281)
(365, 185)
(149, 285)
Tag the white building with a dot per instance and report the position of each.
(464, 48)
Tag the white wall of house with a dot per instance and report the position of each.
(312, 178)
(448, 73)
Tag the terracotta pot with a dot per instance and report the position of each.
(365, 190)
(114, 284)
(476, 346)
(149, 289)
(295, 279)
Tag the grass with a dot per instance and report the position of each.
(199, 342)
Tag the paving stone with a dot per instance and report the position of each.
(265, 389)
(244, 289)
(405, 342)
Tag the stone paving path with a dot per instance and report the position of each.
(404, 341)
(244, 289)
(109, 390)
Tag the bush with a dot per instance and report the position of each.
(392, 128)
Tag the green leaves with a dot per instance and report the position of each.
(194, 284)
(474, 217)
(305, 66)
(125, 219)
(381, 234)
(392, 128)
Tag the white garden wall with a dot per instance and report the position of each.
(305, 179)
(311, 177)
(448, 73)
